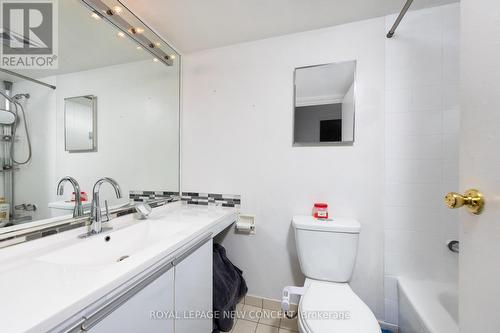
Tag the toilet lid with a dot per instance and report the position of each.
(329, 307)
(338, 224)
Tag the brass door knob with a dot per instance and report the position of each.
(472, 199)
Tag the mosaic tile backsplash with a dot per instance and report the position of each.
(140, 196)
(191, 198)
(211, 199)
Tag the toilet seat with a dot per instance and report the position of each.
(334, 300)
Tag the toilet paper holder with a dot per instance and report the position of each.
(245, 224)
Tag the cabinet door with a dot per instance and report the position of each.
(136, 314)
(193, 291)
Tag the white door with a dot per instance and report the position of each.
(479, 292)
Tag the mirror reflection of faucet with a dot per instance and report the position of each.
(78, 208)
(78, 205)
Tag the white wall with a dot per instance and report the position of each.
(422, 122)
(237, 138)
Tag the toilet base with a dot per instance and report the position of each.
(348, 313)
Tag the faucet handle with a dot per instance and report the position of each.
(107, 211)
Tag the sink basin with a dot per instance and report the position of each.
(112, 247)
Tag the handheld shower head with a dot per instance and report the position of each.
(7, 117)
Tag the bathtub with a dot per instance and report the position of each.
(427, 306)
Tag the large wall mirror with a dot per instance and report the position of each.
(110, 109)
(324, 104)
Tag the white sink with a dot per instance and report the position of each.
(113, 247)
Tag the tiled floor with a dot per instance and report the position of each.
(252, 318)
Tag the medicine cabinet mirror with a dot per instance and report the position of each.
(80, 116)
(324, 104)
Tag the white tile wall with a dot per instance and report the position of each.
(422, 123)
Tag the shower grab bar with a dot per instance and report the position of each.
(399, 18)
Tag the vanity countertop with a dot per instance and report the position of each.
(41, 286)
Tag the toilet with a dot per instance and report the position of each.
(327, 253)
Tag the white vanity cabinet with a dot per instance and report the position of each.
(193, 291)
(135, 315)
(174, 299)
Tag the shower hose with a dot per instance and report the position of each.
(14, 126)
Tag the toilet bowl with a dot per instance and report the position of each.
(327, 253)
(334, 307)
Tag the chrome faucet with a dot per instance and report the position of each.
(78, 211)
(96, 214)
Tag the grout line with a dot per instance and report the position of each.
(281, 320)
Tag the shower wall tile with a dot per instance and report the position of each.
(422, 125)
(413, 146)
(391, 288)
(408, 171)
(414, 123)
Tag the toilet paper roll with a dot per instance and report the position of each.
(245, 226)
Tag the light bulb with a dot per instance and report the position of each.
(172, 56)
(155, 59)
(95, 16)
(117, 9)
(121, 34)
(136, 30)
(139, 47)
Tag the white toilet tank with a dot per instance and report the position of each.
(326, 249)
